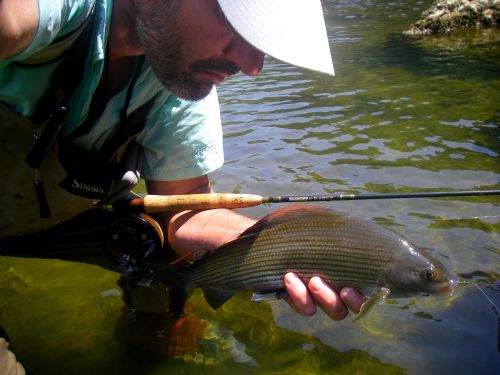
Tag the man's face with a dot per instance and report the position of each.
(190, 47)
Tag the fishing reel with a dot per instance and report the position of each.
(134, 240)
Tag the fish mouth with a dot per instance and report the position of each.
(446, 287)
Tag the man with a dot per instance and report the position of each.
(189, 46)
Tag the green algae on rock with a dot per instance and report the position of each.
(445, 16)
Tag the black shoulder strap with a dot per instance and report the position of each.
(130, 125)
(96, 171)
(67, 75)
(86, 126)
(52, 110)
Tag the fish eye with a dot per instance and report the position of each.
(428, 274)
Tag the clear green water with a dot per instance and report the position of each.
(402, 114)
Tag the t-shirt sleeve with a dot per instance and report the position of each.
(57, 17)
(182, 139)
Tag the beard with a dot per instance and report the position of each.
(165, 51)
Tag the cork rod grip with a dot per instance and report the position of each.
(162, 203)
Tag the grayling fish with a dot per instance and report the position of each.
(312, 241)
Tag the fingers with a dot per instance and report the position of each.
(327, 299)
(299, 298)
(317, 293)
(352, 298)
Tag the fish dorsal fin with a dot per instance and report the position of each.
(371, 302)
(296, 212)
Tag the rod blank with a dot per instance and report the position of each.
(364, 196)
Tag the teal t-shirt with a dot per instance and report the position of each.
(181, 139)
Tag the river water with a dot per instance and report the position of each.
(402, 114)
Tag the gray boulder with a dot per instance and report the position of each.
(445, 16)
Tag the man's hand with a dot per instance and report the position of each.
(305, 300)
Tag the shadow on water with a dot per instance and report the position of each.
(469, 55)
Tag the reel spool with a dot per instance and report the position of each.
(134, 240)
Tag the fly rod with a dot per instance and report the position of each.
(163, 203)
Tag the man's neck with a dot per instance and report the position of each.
(123, 41)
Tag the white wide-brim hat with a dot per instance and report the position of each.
(289, 30)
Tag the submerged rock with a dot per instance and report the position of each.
(447, 15)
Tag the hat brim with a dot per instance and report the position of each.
(289, 30)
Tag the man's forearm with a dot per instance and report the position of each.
(204, 230)
(197, 230)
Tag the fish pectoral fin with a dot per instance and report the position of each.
(216, 297)
(269, 296)
(371, 302)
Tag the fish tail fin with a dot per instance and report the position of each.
(174, 281)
